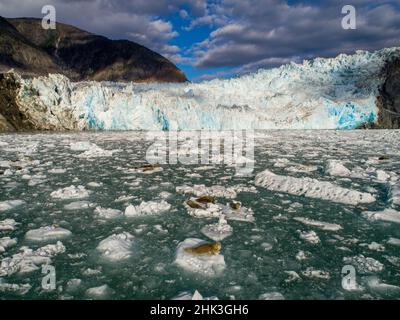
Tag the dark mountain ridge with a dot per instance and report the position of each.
(31, 50)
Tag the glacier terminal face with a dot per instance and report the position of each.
(336, 93)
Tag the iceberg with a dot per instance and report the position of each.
(312, 188)
(334, 93)
(116, 247)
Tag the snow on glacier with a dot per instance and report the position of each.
(336, 93)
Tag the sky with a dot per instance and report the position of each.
(225, 38)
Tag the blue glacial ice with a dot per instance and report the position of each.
(336, 93)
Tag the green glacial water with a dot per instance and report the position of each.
(265, 256)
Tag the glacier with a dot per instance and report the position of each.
(324, 93)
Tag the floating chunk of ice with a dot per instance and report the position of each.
(186, 295)
(319, 224)
(94, 184)
(147, 208)
(215, 191)
(203, 264)
(375, 284)
(218, 231)
(116, 247)
(394, 241)
(319, 274)
(29, 260)
(71, 192)
(310, 237)
(10, 204)
(8, 225)
(6, 242)
(207, 210)
(96, 152)
(78, 205)
(271, 296)
(81, 146)
(47, 233)
(311, 188)
(395, 194)
(302, 255)
(107, 213)
(240, 214)
(363, 264)
(18, 289)
(102, 292)
(336, 168)
(389, 215)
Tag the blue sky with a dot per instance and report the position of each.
(224, 38)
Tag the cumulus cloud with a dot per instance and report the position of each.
(265, 33)
(142, 21)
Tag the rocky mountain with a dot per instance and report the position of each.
(31, 51)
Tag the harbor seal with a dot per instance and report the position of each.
(208, 249)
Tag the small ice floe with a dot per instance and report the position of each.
(336, 168)
(10, 204)
(101, 292)
(374, 246)
(13, 288)
(6, 242)
(302, 168)
(201, 190)
(8, 225)
(302, 255)
(96, 152)
(364, 265)
(235, 211)
(8, 173)
(165, 195)
(146, 169)
(388, 215)
(318, 274)
(71, 192)
(218, 231)
(311, 188)
(116, 247)
(57, 171)
(124, 198)
(310, 236)
(293, 276)
(94, 184)
(375, 284)
(147, 208)
(107, 213)
(73, 285)
(202, 209)
(394, 241)
(319, 224)
(47, 233)
(81, 146)
(271, 296)
(29, 260)
(186, 295)
(382, 176)
(78, 205)
(395, 194)
(208, 265)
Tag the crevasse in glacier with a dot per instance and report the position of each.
(337, 93)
